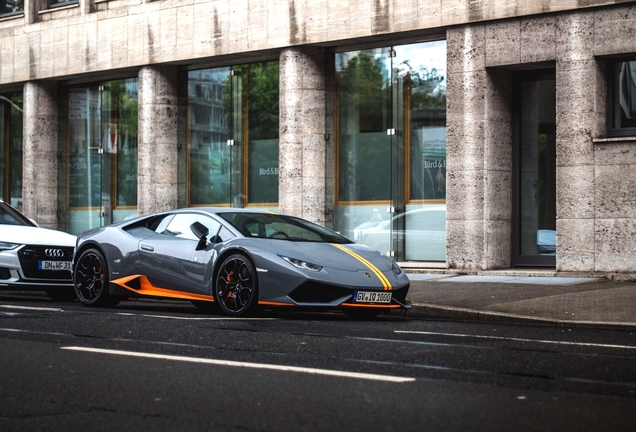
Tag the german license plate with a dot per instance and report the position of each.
(54, 265)
(371, 297)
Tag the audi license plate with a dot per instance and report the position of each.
(371, 297)
(54, 265)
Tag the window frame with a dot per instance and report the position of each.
(613, 131)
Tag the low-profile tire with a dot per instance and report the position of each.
(61, 294)
(90, 278)
(236, 287)
(362, 313)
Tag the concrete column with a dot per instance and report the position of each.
(158, 183)
(303, 133)
(479, 161)
(576, 119)
(40, 153)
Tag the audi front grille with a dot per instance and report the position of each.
(30, 256)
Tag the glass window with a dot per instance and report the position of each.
(391, 149)
(10, 7)
(280, 227)
(233, 139)
(102, 156)
(11, 149)
(58, 3)
(622, 98)
(180, 224)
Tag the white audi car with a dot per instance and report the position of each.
(34, 258)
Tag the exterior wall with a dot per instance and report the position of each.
(487, 42)
(119, 34)
(595, 200)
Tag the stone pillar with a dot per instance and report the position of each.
(303, 133)
(576, 119)
(478, 155)
(40, 153)
(158, 183)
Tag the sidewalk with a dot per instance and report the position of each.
(546, 300)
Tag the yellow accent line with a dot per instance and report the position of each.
(385, 282)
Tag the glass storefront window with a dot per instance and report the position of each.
(11, 149)
(102, 156)
(391, 149)
(233, 136)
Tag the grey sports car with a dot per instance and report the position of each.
(234, 260)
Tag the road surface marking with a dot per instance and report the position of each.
(519, 339)
(246, 365)
(32, 308)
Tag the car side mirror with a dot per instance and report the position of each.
(201, 232)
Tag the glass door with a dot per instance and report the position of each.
(365, 134)
(233, 136)
(102, 154)
(534, 222)
(391, 150)
(85, 204)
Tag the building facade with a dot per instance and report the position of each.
(466, 135)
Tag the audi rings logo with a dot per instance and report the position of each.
(54, 253)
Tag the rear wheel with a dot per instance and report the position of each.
(90, 278)
(236, 289)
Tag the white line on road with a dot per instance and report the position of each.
(246, 365)
(32, 308)
(519, 339)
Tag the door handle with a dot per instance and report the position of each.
(147, 248)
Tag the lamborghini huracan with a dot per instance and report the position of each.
(232, 261)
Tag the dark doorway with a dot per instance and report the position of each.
(534, 177)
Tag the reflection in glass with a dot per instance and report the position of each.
(11, 149)
(102, 156)
(378, 170)
(9, 7)
(237, 106)
(624, 95)
(537, 159)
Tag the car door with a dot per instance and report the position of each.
(170, 258)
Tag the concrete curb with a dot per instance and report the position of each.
(427, 311)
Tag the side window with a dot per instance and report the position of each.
(179, 226)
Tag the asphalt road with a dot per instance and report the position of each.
(152, 365)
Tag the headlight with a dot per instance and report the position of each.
(7, 246)
(301, 264)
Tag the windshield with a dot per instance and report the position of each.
(281, 227)
(10, 216)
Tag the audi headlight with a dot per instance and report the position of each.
(304, 265)
(7, 246)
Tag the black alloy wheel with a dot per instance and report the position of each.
(236, 291)
(90, 278)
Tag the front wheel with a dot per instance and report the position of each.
(236, 290)
(90, 278)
